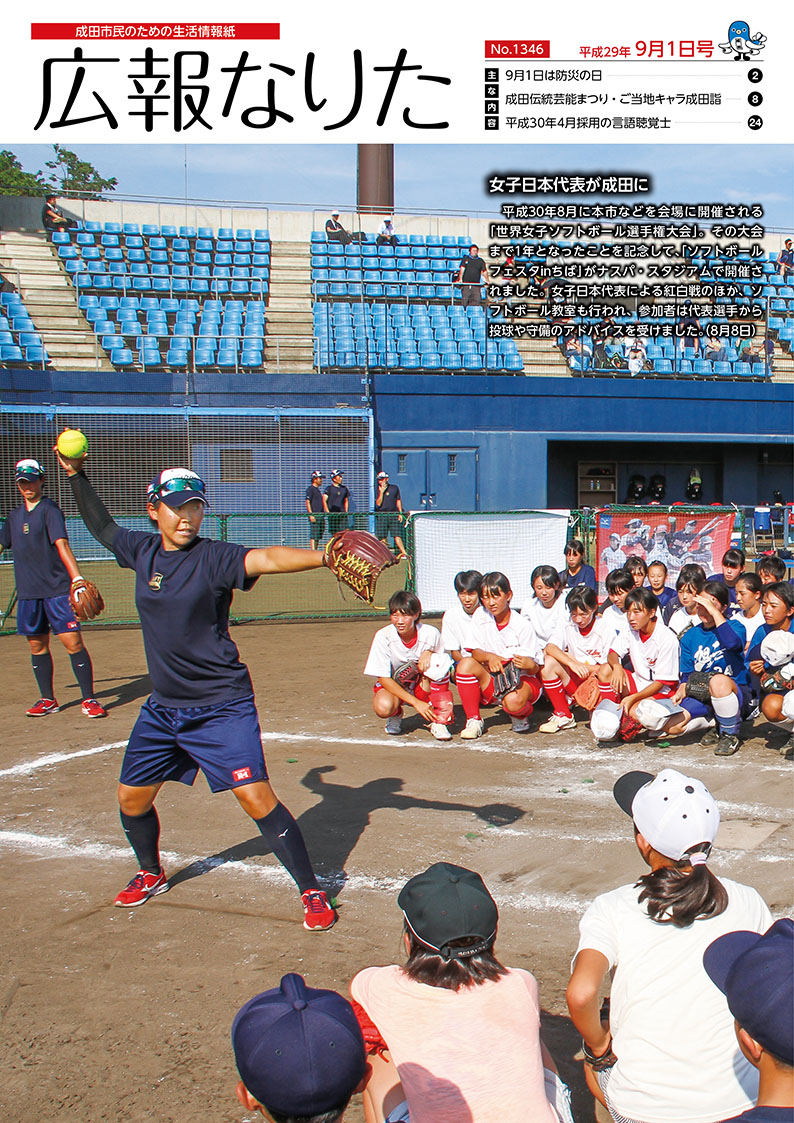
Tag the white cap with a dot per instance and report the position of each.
(439, 666)
(672, 811)
(654, 713)
(335, 211)
(383, 475)
(777, 648)
(605, 720)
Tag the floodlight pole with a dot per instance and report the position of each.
(375, 179)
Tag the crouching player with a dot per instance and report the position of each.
(777, 606)
(586, 642)
(503, 640)
(399, 659)
(654, 656)
(714, 647)
(459, 621)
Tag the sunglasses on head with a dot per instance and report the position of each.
(179, 483)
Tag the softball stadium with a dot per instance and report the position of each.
(255, 347)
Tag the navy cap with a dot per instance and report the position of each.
(756, 975)
(28, 469)
(175, 486)
(448, 903)
(298, 1050)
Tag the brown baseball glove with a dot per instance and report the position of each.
(506, 680)
(587, 695)
(85, 599)
(356, 558)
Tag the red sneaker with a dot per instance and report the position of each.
(92, 708)
(43, 707)
(143, 886)
(319, 916)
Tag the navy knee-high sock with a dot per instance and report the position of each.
(283, 836)
(143, 835)
(84, 673)
(42, 669)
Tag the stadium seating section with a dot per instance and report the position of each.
(20, 344)
(151, 333)
(419, 267)
(391, 307)
(175, 297)
(421, 337)
(667, 357)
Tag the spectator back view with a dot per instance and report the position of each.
(299, 1051)
(756, 975)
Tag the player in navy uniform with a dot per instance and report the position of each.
(315, 509)
(201, 713)
(389, 504)
(337, 502)
(714, 645)
(44, 567)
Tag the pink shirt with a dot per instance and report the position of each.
(474, 1050)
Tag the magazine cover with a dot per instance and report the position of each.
(489, 313)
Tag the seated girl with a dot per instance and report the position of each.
(657, 576)
(502, 638)
(399, 659)
(654, 656)
(715, 646)
(576, 572)
(453, 1034)
(546, 609)
(777, 606)
(586, 642)
(459, 620)
(749, 588)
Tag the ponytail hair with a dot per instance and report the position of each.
(683, 892)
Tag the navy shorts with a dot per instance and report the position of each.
(388, 524)
(702, 709)
(37, 617)
(223, 740)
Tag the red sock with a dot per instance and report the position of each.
(421, 693)
(607, 693)
(555, 692)
(442, 701)
(469, 691)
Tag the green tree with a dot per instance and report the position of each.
(73, 176)
(15, 181)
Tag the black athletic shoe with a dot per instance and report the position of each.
(727, 745)
(787, 748)
(710, 737)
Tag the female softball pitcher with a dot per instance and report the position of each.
(201, 713)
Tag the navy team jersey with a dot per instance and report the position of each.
(714, 650)
(38, 570)
(183, 599)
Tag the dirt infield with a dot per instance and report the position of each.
(124, 1015)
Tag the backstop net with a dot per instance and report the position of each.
(513, 542)
(256, 463)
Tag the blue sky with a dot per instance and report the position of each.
(434, 177)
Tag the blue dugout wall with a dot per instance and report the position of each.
(490, 443)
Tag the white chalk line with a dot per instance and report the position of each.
(539, 751)
(58, 845)
(29, 766)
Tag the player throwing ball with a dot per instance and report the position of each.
(201, 714)
(45, 569)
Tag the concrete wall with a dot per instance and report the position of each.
(284, 225)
